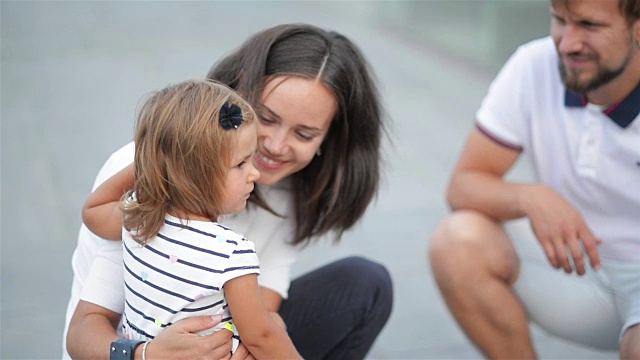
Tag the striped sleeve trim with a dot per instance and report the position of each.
(496, 139)
(244, 252)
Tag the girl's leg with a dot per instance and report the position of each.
(338, 310)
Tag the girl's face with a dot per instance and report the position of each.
(241, 174)
(295, 120)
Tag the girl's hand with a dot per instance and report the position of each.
(101, 212)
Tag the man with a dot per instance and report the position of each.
(570, 102)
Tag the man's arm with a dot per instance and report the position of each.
(477, 183)
(92, 330)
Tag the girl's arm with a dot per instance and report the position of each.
(258, 330)
(101, 213)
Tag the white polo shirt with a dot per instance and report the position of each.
(589, 154)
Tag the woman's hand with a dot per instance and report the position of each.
(242, 353)
(92, 329)
(179, 341)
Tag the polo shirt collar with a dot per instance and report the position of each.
(622, 113)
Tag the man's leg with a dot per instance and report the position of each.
(338, 310)
(581, 309)
(475, 264)
(630, 346)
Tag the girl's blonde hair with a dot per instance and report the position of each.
(182, 155)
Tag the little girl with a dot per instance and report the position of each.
(194, 143)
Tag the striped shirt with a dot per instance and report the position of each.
(180, 273)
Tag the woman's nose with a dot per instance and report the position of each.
(275, 142)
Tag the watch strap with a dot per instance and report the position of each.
(123, 349)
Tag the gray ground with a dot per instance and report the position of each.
(72, 73)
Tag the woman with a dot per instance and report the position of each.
(318, 153)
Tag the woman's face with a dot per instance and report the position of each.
(295, 120)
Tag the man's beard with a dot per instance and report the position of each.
(602, 77)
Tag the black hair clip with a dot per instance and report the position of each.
(230, 116)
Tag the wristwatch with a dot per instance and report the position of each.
(123, 349)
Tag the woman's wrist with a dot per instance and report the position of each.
(144, 349)
(124, 349)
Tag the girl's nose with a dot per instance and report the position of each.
(254, 174)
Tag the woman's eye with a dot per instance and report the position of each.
(265, 120)
(305, 137)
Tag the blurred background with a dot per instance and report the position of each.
(73, 72)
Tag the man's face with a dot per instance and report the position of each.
(594, 42)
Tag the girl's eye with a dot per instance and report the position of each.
(241, 164)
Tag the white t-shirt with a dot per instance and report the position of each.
(587, 153)
(97, 263)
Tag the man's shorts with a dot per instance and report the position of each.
(594, 309)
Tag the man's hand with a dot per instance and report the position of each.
(560, 228)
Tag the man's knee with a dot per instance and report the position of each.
(457, 233)
(630, 345)
(468, 243)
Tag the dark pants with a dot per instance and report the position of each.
(337, 311)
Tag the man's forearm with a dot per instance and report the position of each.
(485, 193)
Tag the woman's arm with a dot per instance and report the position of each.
(101, 213)
(271, 299)
(92, 330)
(258, 330)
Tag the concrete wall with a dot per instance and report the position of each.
(485, 32)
